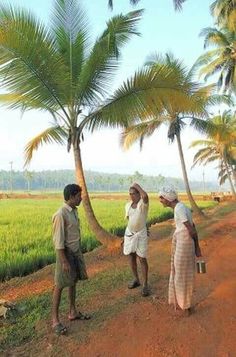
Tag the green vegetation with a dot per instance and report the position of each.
(23, 326)
(54, 181)
(26, 230)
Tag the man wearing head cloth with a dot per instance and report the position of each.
(136, 238)
(184, 248)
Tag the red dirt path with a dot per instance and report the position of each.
(151, 328)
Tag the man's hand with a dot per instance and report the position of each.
(66, 266)
(198, 252)
(142, 193)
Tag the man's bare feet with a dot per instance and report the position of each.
(183, 313)
(189, 311)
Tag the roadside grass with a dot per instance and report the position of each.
(32, 320)
(214, 216)
(225, 208)
(21, 327)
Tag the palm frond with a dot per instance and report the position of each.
(221, 60)
(98, 71)
(132, 2)
(138, 132)
(54, 134)
(231, 23)
(178, 4)
(208, 57)
(70, 28)
(206, 142)
(203, 126)
(144, 95)
(223, 11)
(34, 70)
(214, 37)
(221, 142)
(205, 156)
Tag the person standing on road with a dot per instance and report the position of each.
(185, 247)
(70, 265)
(136, 238)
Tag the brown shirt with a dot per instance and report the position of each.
(66, 228)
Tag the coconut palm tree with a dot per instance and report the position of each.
(224, 11)
(193, 108)
(177, 3)
(220, 145)
(222, 59)
(57, 70)
(28, 176)
(222, 175)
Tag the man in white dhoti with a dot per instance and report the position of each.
(136, 238)
(184, 248)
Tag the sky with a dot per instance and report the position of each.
(162, 30)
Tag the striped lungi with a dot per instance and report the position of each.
(182, 273)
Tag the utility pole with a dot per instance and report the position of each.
(11, 180)
(203, 180)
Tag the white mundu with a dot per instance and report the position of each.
(135, 239)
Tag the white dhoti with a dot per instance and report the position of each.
(136, 242)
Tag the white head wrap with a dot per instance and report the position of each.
(168, 193)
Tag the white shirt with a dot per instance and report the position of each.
(182, 214)
(137, 216)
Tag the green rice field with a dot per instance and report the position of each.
(26, 230)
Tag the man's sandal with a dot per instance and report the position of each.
(80, 316)
(59, 329)
(145, 291)
(133, 284)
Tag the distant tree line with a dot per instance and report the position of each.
(96, 181)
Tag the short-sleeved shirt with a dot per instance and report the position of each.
(137, 216)
(182, 214)
(66, 228)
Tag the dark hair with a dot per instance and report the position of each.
(71, 190)
(133, 188)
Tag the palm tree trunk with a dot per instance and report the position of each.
(107, 239)
(229, 178)
(193, 204)
(234, 174)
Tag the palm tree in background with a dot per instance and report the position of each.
(57, 70)
(220, 146)
(224, 11)
(28, 176)
(177, 3)
(193, 108)
(223, 175)
(222, 59)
